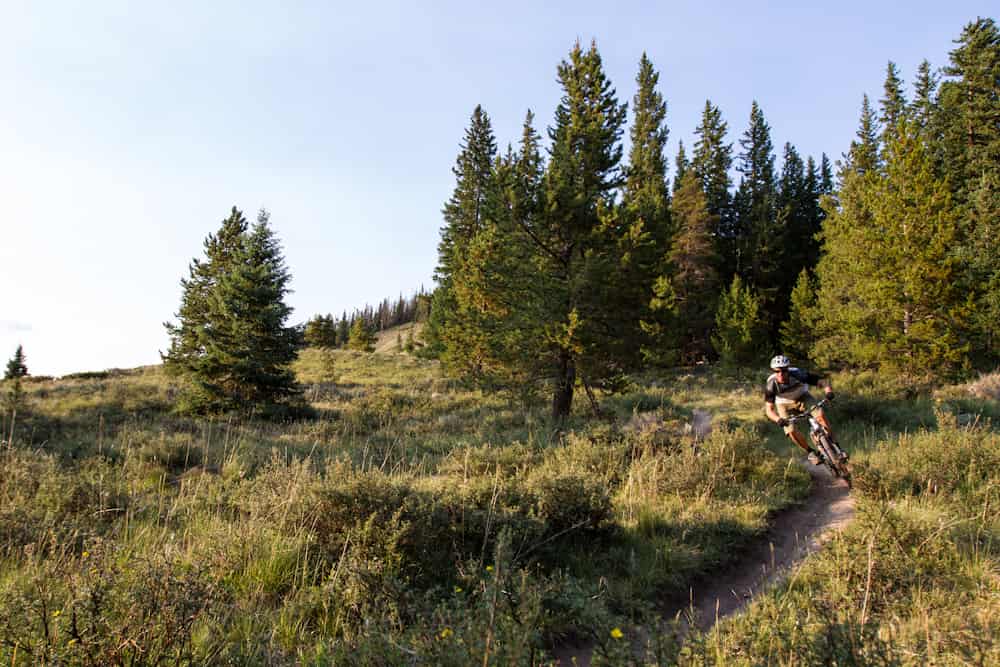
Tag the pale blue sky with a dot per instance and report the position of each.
(128, 130)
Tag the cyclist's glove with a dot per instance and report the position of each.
(782, 422)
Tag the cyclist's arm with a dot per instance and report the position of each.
(770, 392)
(816, 381)
(772, 414)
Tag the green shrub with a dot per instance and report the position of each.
(106, 607)
(47, 507)
(739, 326)
(175, 452)
(567, 500)
(486, 460)
(955, 461)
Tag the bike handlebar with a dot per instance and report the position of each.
(805, 415)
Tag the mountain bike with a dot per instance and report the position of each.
(830, 453)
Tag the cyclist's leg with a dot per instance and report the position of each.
(786, 410)
(819, 414)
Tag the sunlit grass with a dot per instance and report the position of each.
(344, 537)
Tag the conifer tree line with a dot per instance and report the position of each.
(571, 265)
(576, 266)
(909, 278)
(328, 331)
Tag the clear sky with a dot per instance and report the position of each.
(129, 129)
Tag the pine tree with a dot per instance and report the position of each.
(542, 277)
(343, 330)
(580, 184)
(811, 202)
(799, 190)
(984, 248)
(863, 156)
(924, 96)
(845, 333)
(458, 322)
(465, 210)
(646, 234)
(187, 340)
(362, 337)
(646, 197)
(760, 232)
(889, 295)
(14, 399)
(711, 162)
(311, 335)
(798, 329)
(893, 102)
(465, 214)
(796, 206)
(969, 113)
(321, 331)
(232, 344)
(694, 284)
(972, 100)
(16, 365)
(329, 332)
(681, 165)
(500, 286)
(740, 330)
(825, 176)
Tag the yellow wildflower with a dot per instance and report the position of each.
(458, 589)
(617, 633)
(444, 634)
(489, 568)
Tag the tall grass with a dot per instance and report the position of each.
(412, 521)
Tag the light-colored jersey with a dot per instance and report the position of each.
(791, 391)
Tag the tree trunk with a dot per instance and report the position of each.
(562, 399)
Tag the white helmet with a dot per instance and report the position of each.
(780, 361)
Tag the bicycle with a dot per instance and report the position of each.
(830, 453)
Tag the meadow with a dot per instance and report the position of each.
(412, 520)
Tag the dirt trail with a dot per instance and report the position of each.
(794, 534)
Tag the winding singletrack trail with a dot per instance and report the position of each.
(794, 534)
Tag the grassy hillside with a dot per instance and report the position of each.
(388, 341)
(416, 522)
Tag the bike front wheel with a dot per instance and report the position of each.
(835, 458)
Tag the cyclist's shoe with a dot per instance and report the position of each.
(813, 458)
(843, 456)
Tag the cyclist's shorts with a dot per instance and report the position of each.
(788, 408)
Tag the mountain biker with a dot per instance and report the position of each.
(787, 393)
